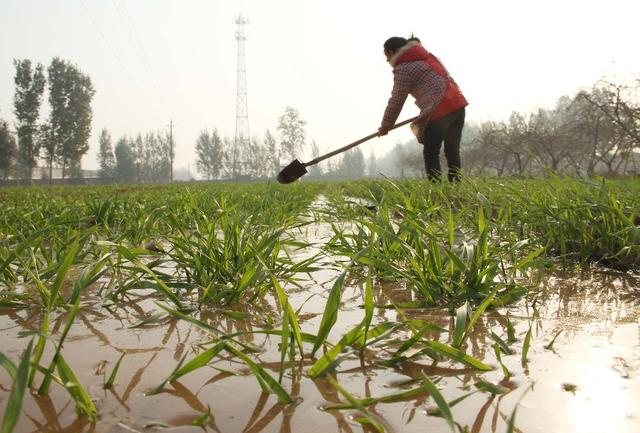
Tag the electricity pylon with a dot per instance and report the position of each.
(241, 142)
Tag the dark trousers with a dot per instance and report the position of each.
(448, 129)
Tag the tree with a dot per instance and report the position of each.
(106, 158)
(333, 167)
(228, 169)
(547, 139)
(48, 144)
(315, 170)
(155, 165)
(492, 140)
(622, 115)
(273, 153)
(210, 154)
(218, 156)
(515, 134)
(28, 97)
(70, 95)
(125, 161)
(399, 158)
(352, 164)
(204, 155)
(257, 161)
(292, 133)
(616, 104)
(7, 150)
(234, 156)
(594, 131)
(412, 162)
(372, 167)
(136, 146)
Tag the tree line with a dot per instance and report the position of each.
(596, 131)
(140, 159)
(147, 158)
(61, 139)
(226, 158)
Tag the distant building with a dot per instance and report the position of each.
(56, 173)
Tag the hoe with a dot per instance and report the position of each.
(297, 169)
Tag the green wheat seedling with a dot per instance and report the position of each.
(108, 384)
(291, 334)
(53, 298)
(20, 375)
(426, 253)
(227, 260)
(577, 220)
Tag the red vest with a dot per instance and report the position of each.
(453, 98)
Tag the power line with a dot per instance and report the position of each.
(122, 65)
(140, 47)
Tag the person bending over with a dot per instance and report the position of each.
(419, 73)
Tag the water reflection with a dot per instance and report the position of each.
(598, 351)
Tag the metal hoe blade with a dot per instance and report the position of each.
(292, 172)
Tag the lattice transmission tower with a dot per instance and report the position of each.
(241, 142)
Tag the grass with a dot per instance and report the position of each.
(19, 388)
(470, 248)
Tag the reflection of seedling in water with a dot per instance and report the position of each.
(391, 398)
(491, 388)
(367, 417)
(553, 340)
(227, 343)
(445, 409)
(512, 419)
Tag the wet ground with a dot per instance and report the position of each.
(587, 380)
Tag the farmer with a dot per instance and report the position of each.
(419, 73)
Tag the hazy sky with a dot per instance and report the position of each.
(152, 61)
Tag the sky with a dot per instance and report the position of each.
(153, 62)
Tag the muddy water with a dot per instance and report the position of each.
(588, 380)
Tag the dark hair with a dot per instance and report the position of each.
(395, 43)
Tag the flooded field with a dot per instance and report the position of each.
(561, 356)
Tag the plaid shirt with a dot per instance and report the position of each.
(418, 79)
